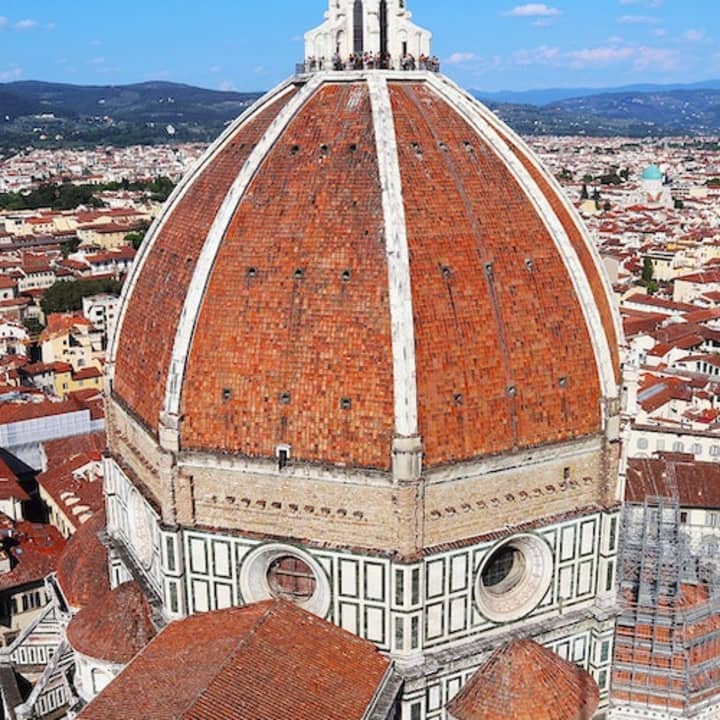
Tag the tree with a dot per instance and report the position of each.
(160, 188)
(33, 326)
(584, 194)
(607, 207)
(679, 204)
(136, 237)
(67, 296)
(648, 271)
(69, 247)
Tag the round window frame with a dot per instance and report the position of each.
(527, 594)
(255, 587)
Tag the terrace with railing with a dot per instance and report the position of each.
(368, 61)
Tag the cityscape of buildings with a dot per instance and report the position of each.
(385, 413)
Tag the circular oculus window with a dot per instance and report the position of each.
(282, 571)
(514, 578)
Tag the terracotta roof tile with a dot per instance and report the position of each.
(261, 662)
(147, 337)
(34, 548)
(115, 626)
(525, 681)
(695, 484)
(82, 570)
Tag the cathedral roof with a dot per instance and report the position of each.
(525, 681)
(265, 661)
(82, 571)
(115, 626)
(365, 256)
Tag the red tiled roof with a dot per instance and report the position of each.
(60, 322)
(82, 570)
(35, 551)
(525, 681)
(87, 374)
(262, 662)
(114, 627)
(11, 412)
(695, 484)
(78, 496)
(701, 278)
(10, 484)
(43, 368)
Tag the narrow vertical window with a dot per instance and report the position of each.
(399, 633)
(383, 28)
(415, 586)
(399, 587)
(613, 534)
(610, 576)
(359, 30)
(170, 549)
(415, 633)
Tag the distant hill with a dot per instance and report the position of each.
(59, 115)
(547, 96)
(144, 102)
(70, 114)
(631, 113)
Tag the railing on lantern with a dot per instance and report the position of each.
(368, 62)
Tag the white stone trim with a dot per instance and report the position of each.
(468, 108)
(496, 123)
(398, 260)
(206, 261)
(178, 193)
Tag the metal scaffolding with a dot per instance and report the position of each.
(667, 641)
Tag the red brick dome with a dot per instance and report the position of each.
(115, 626)
(82, 570)
(361, 257)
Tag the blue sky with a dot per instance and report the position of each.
(250, 45)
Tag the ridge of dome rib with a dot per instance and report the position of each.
(469, 110)
(208, 255)
(177, 194)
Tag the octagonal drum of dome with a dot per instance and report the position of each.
(368, 278)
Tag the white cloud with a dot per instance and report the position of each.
(13, 73)
(599, 55)
(25, 24)
(638, 20)
(643, 3)
(615, 52)
(655, 59)
(215, 69)
(543, 55)
(3, 21)
(533, 10)
(459, 58)
(693, 36)
(226, 86)
(97, 61)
